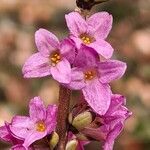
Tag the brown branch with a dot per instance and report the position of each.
(62, 116)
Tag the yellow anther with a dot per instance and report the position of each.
(40, 126)
(55, 58)
(89, 75)
(58, 57)
(86, 38)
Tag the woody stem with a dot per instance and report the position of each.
(62, 116)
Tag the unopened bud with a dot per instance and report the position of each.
(70, 118)
(82, 120)
(88, 4)
(54, 140)
(72, 145)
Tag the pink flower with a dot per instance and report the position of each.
(52, 59)
(105, 128)
(91, 32)
(42, 121)
(93, 78)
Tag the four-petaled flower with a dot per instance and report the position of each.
(42, 121)
(91, 32)
(93, 78)
(52, 59)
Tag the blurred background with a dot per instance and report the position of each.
(130, 37)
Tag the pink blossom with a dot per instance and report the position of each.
(53, 58)
(107, 127)
(91, 32)
(42, 121)
(93, 78)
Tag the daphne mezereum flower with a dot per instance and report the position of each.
(91, 32)
(93, 77)
(52, 59)
(42, 121)
(107, 127)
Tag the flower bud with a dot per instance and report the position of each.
(88, 4)
(72, 145)
(54, 140)
(82, 120)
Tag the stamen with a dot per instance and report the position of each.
(55, 58)
(87, 39)
(40, 126)
(89, 75)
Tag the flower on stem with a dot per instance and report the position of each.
(91, 32)
(53, 58)
(42, 121)
(93, 78)
(107, 127)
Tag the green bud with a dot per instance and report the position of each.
(72, 145)
(54, 140)
(82, 120)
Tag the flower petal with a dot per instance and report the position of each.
(5, 135)
(77, 40)
(67, 49)
(21, 126)
(86, 57)
(50, 121)
(102, 47)
(101, 23)
(98, 96)
(77, 79)
(108, 144)
(117, 108)
(32, 137)
(62, 71)
(36, 66)
(111, 70)
(37, 109)
(76, 23)
(46, 42)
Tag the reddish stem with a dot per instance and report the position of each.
(62, 116)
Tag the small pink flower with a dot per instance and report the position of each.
(53, 58)
(107, 127)
(42, 121)
(93, 78)
(91, 32)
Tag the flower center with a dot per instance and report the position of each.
(89, 75)
(55, 58)
(86, 39)
(40, 126)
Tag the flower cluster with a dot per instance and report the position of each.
(79, 62)
(24, 130)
